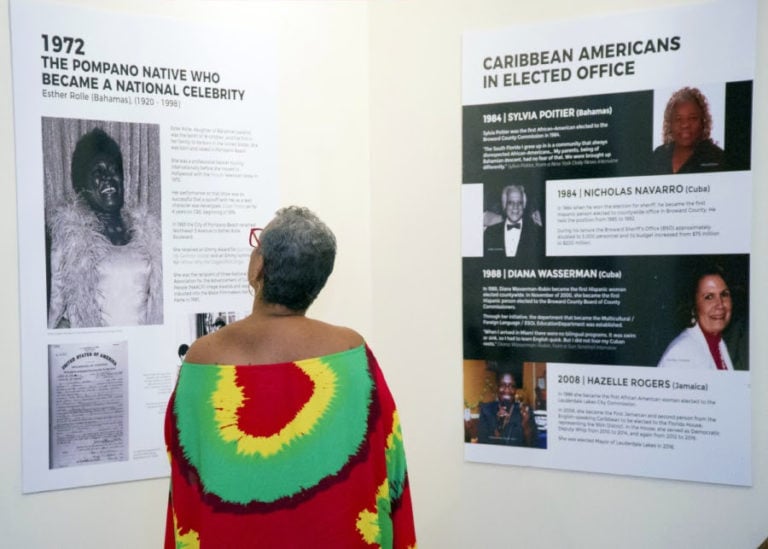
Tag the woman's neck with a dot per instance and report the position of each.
(273, 310)
(113, 227)
(710, 336)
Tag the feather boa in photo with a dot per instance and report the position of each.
(77, 250)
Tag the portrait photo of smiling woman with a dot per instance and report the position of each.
(688, 143)
(703, 345)
(102, 199)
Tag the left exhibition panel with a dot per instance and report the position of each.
(145, 152)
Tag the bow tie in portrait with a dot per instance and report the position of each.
(513, 225)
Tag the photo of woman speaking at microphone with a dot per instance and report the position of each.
(508, 420)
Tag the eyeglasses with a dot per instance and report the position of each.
(253, 239)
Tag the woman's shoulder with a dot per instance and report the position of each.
(203, 350)
(686, 343)
(709, 155)
(710, 146)
(285, 340)
(343, 334)
(318, 338)
(687, 335)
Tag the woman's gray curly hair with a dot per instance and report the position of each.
(681, 96)
(298, 251)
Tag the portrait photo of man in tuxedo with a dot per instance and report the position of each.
(518, 234)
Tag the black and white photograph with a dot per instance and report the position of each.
(514, 225)
(102, 217)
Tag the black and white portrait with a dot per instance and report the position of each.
(517, 230)
(102, 215)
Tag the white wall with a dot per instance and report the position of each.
(370, 137)
(415, 172)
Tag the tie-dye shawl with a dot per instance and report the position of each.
(300, 454)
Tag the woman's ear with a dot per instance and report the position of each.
(255, 267)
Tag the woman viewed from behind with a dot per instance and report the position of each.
(281, 430)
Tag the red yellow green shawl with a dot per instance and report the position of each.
(300, 454)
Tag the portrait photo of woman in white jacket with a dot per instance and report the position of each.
(701, 346)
